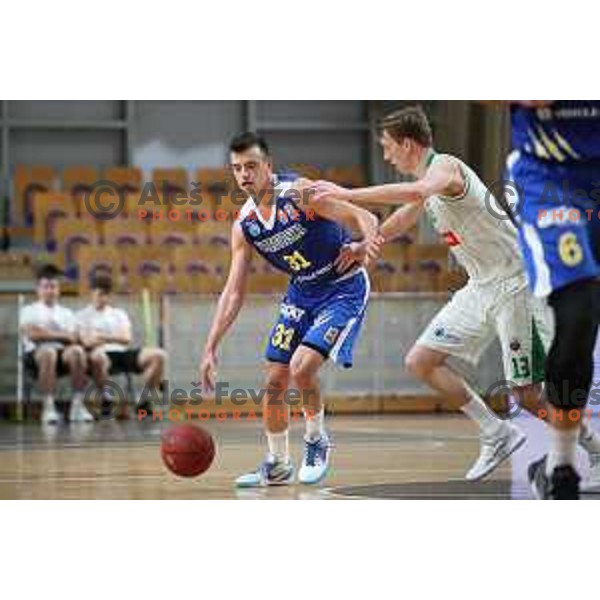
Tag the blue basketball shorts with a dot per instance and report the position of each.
(327, 320)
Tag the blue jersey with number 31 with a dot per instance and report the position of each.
(294, 240)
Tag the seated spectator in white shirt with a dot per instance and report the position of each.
(51, 349)
(105, 332)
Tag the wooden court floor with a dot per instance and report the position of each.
(388, 456)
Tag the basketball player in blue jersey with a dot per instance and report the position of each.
(555, 167)
(321, 313)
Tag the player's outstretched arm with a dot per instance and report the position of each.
(444, 177)
(353, 217)
(401, 221)
(229, 305)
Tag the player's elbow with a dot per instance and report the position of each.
(365, 220)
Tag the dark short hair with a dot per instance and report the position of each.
(102, 283)
(47, 271)
(410, 122)
(249, 139)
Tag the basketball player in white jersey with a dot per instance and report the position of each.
(496, 300)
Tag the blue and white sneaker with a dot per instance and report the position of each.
(316, 460)
(271, 471)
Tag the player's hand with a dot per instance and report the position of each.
(326, 190)
(361, 253)
(208, 371)
(66, 337)
(90, 339)
(351, 254)
(373, 248)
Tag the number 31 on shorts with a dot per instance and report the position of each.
(282, 338)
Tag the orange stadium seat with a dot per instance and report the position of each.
(133, 205)
(213, 232)
(197, 270)
(265, 279)
(195, 281)
(126, 233)
(308, 171)
(127, 178)
(92, 260)
(209, 259)
(172, 233)
(48, 208)
(79, 178)
(220, 178)
(101, 203)
(347, 176)
(397, 254)
(147, 267)
(187, 203)
(27, 181)
(225, 206)
(215, 187)
(70, 234)
(422, 253)
(382, 212)
(172, 180)
(267, 283)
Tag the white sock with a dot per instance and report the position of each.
(314, 424)
(77, 399)
(563, 448)
(588, 438)
(278, 445)
(49, 401)
(477, 410)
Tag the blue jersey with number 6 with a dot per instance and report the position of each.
(555, 169)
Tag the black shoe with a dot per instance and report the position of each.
(565, 483)
(106, 409)
(562, 485)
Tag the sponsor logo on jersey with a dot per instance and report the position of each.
(289, 311)
(451, 238)
(315, 274)
(331, 335)
(282, 239)
(515, 345)
(254, 229)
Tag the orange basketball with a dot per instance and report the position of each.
(187, 450)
